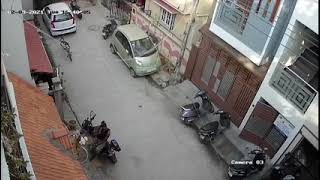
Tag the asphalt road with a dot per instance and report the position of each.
(155, 144)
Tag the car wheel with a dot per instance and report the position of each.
(132, 73)
(112, 49)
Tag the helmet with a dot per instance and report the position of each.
(103, 124)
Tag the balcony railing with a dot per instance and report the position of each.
(292, 87)
(232, 16)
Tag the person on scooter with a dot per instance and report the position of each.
(103, 132)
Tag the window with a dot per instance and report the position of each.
(124, 41)
(226, 85)
(143, 47)
(168, 19)
(121, 38)
(62, 17)
(207, 69)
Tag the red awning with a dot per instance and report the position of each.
(165, 6)
(38, 58)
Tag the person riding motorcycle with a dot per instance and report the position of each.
(103, 132)
(101, 135)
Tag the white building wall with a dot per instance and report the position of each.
(310, 118)
(13, 43)
(259, 31)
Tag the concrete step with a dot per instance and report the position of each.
(225, 149)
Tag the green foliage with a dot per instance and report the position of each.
(10, 137)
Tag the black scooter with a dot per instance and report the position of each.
(76, 9)
(279, 173)
(245, 168)
(288, 169)
(208, 132)
(191, 112)
(109, 28)
(105, 149)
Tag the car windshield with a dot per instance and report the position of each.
(62, 17)
(143, 47)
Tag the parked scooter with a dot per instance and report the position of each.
(279, 173)
(288, 169)
(107, 148)
(208, 132)
(109, 28)
(76, 9)
(245, 168)
(99, 148)
(191, 112)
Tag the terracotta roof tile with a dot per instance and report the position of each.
(38, 114)
(38, 58)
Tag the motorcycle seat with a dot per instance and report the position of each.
(240, 166)
(191, 106)
(211, 126)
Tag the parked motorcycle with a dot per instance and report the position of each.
(245, 168)
(192, 111)
(86, 126)
(107, 148)
(76, 9)
(279, 173)
(288, 169)
(109, 28)
(208, 132)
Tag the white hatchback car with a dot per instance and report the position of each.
(59, 19)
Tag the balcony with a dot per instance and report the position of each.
(250, 26)
(293, 87)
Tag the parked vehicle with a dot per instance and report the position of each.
(76, 9)
(66, 46)
(86, 126)
(109, 28)
(191, 112)
(280, 173)
(59, 19)
(208, 132)
(136, 49)
(107, 148)
(290, 168)
(103, 147)
(245, 168)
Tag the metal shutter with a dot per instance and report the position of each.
(275, 138)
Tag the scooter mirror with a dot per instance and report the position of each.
(92, 117)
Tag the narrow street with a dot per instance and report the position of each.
(155, 144)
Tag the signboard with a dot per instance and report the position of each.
(283, 125)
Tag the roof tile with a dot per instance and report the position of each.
(47, 160)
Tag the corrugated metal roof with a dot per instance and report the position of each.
(38, 58)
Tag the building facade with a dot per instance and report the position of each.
(284, 113)
(169, 21)
(236, 50)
